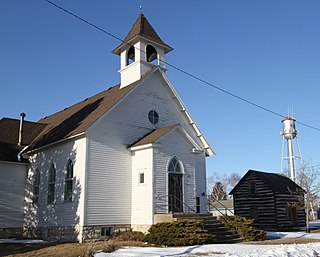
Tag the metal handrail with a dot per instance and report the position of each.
(211, 205)
(192, 210)
(189, 208)
(166, 200)
(183, 203)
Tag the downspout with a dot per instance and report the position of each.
(153, 186)
(19, 156)
(22, 116)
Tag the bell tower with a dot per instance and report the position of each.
(141, 50)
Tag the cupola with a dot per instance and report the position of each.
(140, 51)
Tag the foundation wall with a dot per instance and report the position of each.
(71, 233)
(11, 232)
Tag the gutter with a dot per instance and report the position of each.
(51, 144)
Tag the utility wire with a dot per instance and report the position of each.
(181, 70)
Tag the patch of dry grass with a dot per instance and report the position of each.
(315, 230)
(59, 249)
(76, 249)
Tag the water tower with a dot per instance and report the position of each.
(289, 134)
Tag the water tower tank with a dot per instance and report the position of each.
(289, 128)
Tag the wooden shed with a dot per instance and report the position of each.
(274, 201)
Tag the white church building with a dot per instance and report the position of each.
(127, 157)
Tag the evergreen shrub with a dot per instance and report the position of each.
(129, 235)
(244, 227)
(178, 233)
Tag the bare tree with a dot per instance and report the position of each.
(233, 179)
(228, 182)
(213, 179)
(308, 177)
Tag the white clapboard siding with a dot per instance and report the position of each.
(109, 174)
(201, 180)
(60, 213)
(142, 193)
(12, 182)
(108, 198)
(109, 161)
(175, 144)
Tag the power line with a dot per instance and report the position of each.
(181, 70)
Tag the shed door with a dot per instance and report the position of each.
(293, 216)
(175, 193)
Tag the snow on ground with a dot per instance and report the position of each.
(25, 241)
(294, 235)
(218, 250)
(230, 250)
(221, 250)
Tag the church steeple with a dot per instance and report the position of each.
(141, 50)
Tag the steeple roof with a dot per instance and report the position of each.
(143, 29)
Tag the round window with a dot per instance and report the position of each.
(153, 117)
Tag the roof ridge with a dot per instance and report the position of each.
(271, 179)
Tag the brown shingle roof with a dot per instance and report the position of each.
(76, 119)
(9, 152)
(143, 28)
(153, 136)
(9, 136)
(9, 131)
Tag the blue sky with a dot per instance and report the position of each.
(265, 51)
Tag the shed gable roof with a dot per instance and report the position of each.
(278, 183)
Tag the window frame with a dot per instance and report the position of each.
(252, 188)
(153, 117)
(68, 182)
(36, 186)
(174, 163)
(106, 231)
(141, 178)
(254, 213)
(51, 184)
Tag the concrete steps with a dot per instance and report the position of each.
(221, 234)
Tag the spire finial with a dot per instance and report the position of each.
(141, 6)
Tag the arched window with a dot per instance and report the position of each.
(36, 186)
(174, 165)
(51, 184)
(68, 182)
(151, 53)
(130, 55)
